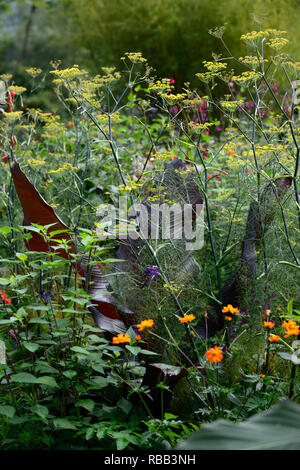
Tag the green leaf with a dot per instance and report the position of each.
(21, 313)
(135, 350)
(47, 380)
(80, 350)
(99, 382)
(88, 404)
(40, 410)
(290, 307)
(39, 320)
(63, 423)
(32, 347)
(275, 429)
(170, 416)
(5, 230)
(23, 377)
(6, 410)
(69, 374)
(21, 256)
(149, 353)
(234, 399)
(285, 355)
(8, 321)
(125, 405)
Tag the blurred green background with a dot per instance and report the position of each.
(171, 34)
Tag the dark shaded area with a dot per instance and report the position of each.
(172, 35)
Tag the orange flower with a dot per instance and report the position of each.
(274, 338)
(231, 309)
(4, 297)
(187, 318)
(145, 324)
(269, 324)
(228, 318)
(121, 339)
(214, 354)
(291, 328)
(138, 337)
(262, 376)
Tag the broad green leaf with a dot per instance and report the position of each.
(170, 416)
(47, 380)
(275, 429)
(32, 347)
(40, 410)
(88, 404)
(8, 321)
(5, 230)
(21, 256)
(80, 350)
(99, 382)
(63, 423)
(285, 355)
(6, 410)
(23, 377)
(69, 373)
(135, 350)
(125, 405)
(39, 320)
(21, 313)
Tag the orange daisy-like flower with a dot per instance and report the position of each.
(269, 324)
(229, 308)
(145, 324)
(228, 318)
(214, 354)
(274, 338)
(138, 337)
(291, 328)
(187, 318)
(4, 297)
(121, 339)
(266, 313)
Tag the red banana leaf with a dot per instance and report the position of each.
(37, 210)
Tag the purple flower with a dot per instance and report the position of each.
(46, 296)
(151, 273)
